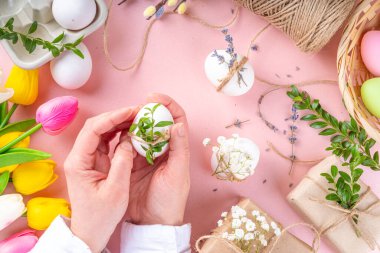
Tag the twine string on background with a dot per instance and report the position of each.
(310, 24)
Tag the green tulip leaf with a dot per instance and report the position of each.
(4, 178)
(21, 126)
(21, 155)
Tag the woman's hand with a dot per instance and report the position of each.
(99, 187)
(158, 193)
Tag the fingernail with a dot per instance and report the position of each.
(181, 130)
(126, 145)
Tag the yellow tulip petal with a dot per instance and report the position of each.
(25, 85)
(42, 211)
(7, 138)
(32, 177)
(9, 168)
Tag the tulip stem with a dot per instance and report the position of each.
(20, 138)
(3, 110)
(8, 116)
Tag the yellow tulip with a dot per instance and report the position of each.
(24, 84)
(32, 177)
(5, 139)
(42, 211)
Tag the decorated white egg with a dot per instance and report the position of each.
(217, 67)
(74, 14)
(150, 131)
(70, 71)
(235, 158)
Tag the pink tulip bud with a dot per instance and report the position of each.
(56, 114)
(22, 242)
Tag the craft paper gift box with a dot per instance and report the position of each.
(287, 243)
(332, 221)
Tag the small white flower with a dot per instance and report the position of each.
(225, 235)
(249, 237)
(221, 139)
(261, 237)
(273, 225)
(235, 136)
(250, 226)
(220, 223)
(261, 219)
(244, 219)
(277, 232)
(236, 223)
(239, 233)
(265, 226)
(215, 149)
(264, 242)
(235, 215)
(255, 213)
(231, 237)
(224, 215)
(206, 141)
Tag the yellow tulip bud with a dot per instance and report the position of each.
(182, 8)
(149, 11)
(172, 2)
(32, 177)
(24, 84)
(42, 211)
(5, 139)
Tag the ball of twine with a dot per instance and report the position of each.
(310, 23)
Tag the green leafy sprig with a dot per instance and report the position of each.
(348, 141)
(145, 129)
(56, 47)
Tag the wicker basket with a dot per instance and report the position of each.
(351, 69)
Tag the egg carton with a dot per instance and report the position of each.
(27, 11)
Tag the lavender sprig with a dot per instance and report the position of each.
(293, 138)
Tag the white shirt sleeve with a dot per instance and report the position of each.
(155, 239)
(58, 238)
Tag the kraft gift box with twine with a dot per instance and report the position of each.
(333, 222)
(285, 243)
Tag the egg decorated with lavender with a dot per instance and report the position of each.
(220, 66)
(235, 158)
(370, 94)
(150, 131)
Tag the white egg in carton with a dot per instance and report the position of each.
(27, 11)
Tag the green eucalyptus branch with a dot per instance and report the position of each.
(146, 131)
(30, 43)
(348, 141)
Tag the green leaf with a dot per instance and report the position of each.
(78, 41)
(77, 52)
(356, 174)
(59, 38)
(353, 124)
(164, 124)
(21, 126)
(21, 155)
(337, 138)
(4, 179)
(132, 128)
(9, 24)
(345, 176)
(155, 107)
(356, 188)
(149, 157)
(327, 131)
(328, 177)
(318, 124)
(376, 157)
(33, 27)
(309, 117)
(332, 197)
(334, 171)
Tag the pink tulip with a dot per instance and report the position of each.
(56, 114)
(22, 242)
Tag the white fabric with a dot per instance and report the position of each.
(58, 238)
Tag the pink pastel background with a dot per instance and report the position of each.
(173, 65)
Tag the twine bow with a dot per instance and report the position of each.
(165, 137)
(236, 67)
(233, 247)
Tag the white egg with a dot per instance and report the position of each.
(216, 71)
(235, 158)
(70, 71)
(160, 114)
(74, 14)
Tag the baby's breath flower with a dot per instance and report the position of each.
(249, 237)
(261, 218)
(273, 225)
(221, 139)
(236, 223)
(239, 233)
(265, 226)
(220, 223)
(225, 235)
(224, 215)
(255, 213)
(250, 226)
(231, 237)
(264, 242)
(244, 219)
(277, 232)
(206, 141)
